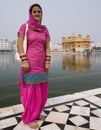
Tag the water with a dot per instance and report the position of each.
(69, 73)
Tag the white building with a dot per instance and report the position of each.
(96, 45)
(56, 47)
(6, 45)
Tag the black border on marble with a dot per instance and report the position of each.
(54, 105)
(9, 116)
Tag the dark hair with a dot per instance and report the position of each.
(34, 6)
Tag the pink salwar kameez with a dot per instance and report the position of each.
(34, 96)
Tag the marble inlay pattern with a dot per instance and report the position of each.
(80, 114)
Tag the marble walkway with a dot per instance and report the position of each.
(78, 111)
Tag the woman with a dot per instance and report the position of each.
(35, 63)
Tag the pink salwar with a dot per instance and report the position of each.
(33, 96)
(33, 100)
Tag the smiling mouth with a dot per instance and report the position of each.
(37, 16)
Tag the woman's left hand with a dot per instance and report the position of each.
(47, 66)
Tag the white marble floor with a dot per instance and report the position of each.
(78, 111)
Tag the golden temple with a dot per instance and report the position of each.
(76, 43)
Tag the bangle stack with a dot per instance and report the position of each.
(23, 58)
(48, 59)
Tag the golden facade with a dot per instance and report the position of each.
(76, 43)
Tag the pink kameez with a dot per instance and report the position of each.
(34, 96)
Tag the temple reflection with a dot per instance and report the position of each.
(76, 62)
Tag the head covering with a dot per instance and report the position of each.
(33, 22)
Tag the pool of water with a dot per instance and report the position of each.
(69, 73)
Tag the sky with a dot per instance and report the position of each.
(62, 18)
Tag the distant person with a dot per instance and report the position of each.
(35, 65)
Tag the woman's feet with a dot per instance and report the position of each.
(33, 125)
(42, 117)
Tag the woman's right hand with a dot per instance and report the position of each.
(25, 66)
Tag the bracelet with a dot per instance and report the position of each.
(47, 60)
(23, 58)
(25, 61)
(48, 56)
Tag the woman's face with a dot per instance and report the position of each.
(37, 13)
